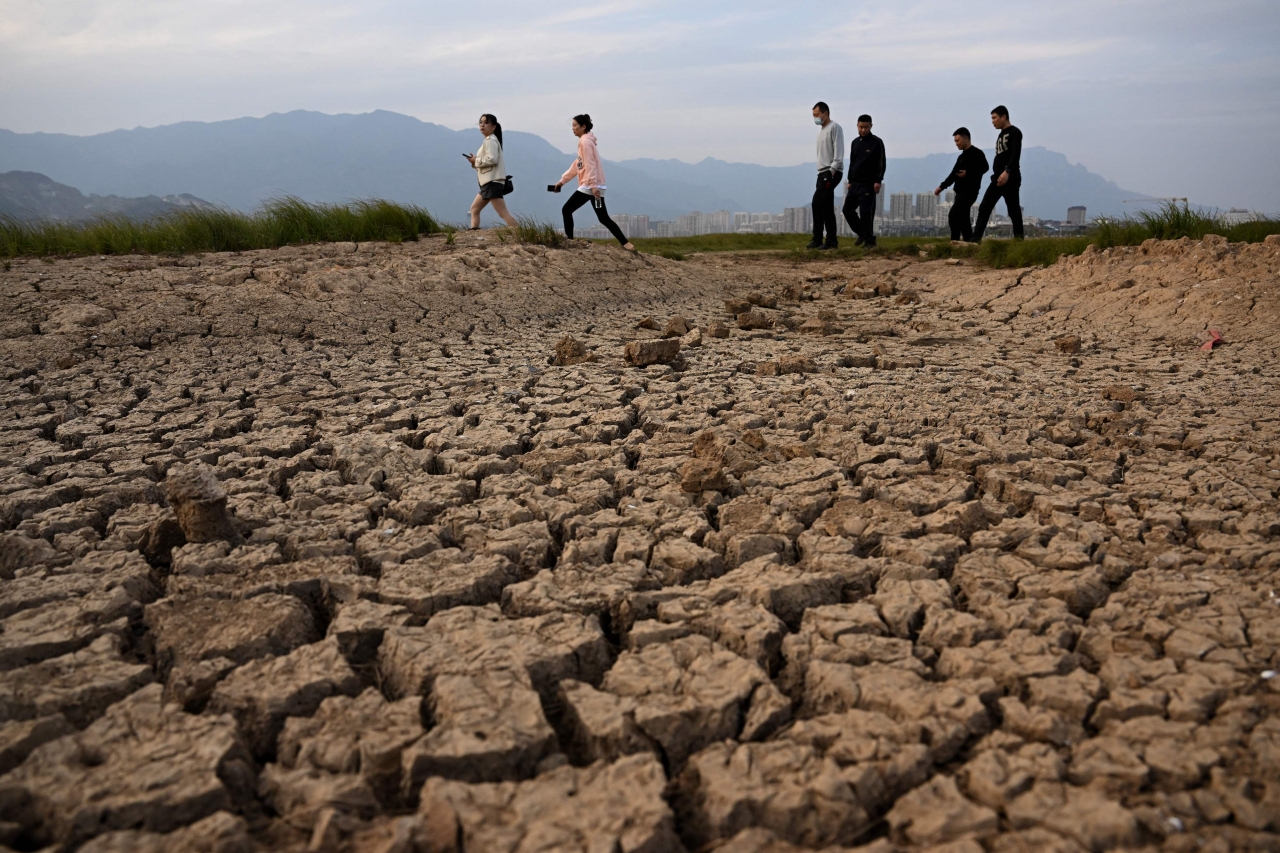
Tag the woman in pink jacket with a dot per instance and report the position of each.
(590, 174)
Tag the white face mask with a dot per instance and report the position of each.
(817, 121)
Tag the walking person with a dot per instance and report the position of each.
(491, 172)
(967, 174)
(590, 174)
(830, 170)
(1006, 175)
(866, 178)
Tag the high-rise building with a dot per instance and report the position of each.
(741, 219)
(950, 196)
(940, 214)
(1075, 215)
(926, 205)
(797, 220)
(900, 206)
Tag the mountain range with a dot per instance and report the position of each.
(318, 157)
(30, 195)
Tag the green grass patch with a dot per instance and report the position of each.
(1041, 251)
(530, 230)
(280, 222)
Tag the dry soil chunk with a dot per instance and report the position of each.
(80, 685)
(262, 693)
(364, 735)
(19, 738)
(614, 807)
(679, 696)
(786, 787)
(642, 353)
(937, 812)
(445, 579)
(221, 832)
(200, 503)
(487, 727)
(471, 640)
(191, 629)
(142, 765)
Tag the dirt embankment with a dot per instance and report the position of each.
(315, 549)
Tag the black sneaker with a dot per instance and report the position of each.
(859, 242)
(870, 244)
(827, 246)
(814, 244)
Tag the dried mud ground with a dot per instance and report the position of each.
(315, 549)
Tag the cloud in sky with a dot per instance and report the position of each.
(1169, 98)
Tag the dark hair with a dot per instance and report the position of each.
(1001, 111)
(864, 117)
(584, 121)
(822, 107)
(962, 131)
(497, 128)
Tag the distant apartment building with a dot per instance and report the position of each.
(941, 213)
(632, 225)
(900, 207)
(741, 221)
(797, 220)
(926, 205)
(1076, 215)
(949, 196)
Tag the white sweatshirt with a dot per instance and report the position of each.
(489, 164)
(831, 148)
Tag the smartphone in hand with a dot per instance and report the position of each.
(552, 188)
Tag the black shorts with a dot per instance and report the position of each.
(493, 189)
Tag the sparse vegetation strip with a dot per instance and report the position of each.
(1171, 222)
(279, 222)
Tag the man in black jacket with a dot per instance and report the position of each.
(866, 175)
(1006, 175)
(967, 174)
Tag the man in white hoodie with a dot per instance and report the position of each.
(830, 171)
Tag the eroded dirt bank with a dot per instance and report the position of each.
(314, 549)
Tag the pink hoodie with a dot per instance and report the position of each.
(586, 168)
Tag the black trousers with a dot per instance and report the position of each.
(1009, 192)
(576, 201)
(958, 218)
(860, 210)
(824, 207)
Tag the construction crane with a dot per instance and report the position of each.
(1147, 200)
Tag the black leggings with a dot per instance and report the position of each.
(576, 201)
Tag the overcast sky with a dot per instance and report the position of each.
(1166, 98)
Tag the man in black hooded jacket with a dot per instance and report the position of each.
(967, 174)
(866, 177)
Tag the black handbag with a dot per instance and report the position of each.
(508, 187)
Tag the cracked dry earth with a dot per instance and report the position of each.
(315, 549)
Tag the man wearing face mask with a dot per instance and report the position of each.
(830, 171)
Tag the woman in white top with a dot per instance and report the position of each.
(491, 172)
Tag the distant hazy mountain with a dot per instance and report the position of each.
(30, 195)
(319, 157)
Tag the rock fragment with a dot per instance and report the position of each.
(200, 503)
